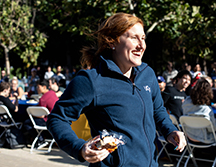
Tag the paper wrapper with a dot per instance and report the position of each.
(107, 140)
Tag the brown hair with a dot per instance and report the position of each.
(202, 93)
(108, 33)
(3, 86)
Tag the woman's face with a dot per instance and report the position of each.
(129, 51)
(14, 85)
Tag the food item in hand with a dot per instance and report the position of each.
(107, 142)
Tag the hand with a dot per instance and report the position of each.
(213, 105)
(177, 138)
(15, 94)
(93, 156)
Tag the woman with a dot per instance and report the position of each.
(120, 94)
(4, 93)
(15, 89)
(198, 104)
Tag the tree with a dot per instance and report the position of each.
(17, 32)
(185, 29)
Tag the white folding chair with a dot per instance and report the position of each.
(197, 122)
(38, 111)
(5, 125)
(164, 142)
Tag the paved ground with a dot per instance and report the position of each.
(56, 158)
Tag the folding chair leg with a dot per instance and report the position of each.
(163, 148)
(182, 156)
(3, 133)
(192, 158)
(213, 165)
(34, 142)
(50, 146)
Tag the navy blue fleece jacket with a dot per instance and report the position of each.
(111, 101)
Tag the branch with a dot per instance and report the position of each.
(33, 19)
(166, 17)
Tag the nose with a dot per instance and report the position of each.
(141, 45)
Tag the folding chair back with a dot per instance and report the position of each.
(38, 111)
(197, 122)
(175, 121)
(5, 125)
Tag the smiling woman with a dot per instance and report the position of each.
(119, 93)
(15, 89)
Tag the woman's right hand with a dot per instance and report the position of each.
(93, 156)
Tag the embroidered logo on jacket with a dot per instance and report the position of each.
(147, 88)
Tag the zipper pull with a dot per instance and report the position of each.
(134, 86)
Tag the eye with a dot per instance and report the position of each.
(134, 37)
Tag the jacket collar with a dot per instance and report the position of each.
(109, 63)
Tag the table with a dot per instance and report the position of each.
(23, 104)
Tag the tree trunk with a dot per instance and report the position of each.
(7, 62)
(204, 66)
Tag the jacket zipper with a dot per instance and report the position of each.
(134, 86)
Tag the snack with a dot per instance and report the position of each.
(107, 141)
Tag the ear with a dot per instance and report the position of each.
(112, 46)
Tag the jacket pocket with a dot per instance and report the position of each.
(115, 159)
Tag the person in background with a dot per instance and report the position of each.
(59, 74)
(68, 76)
(212, 70)
(209, 79)
(49, 73)
(53, 85)
(32, 82)
(175, 95)
(186, 66)
(118, 93)
(198, 104)
(161, 83)
(47, 100)
(4, 77)
(40, 72)
(169, 73)
(74, 72)
(16, 90)
(197, 71)
(4, 100)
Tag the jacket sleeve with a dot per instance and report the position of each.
(77, 96)
(162, 120)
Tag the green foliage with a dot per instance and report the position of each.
(17, 30)
(183, 23)
(187, 27)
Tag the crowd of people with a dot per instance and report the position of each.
(192, 93)
(119, 93)
(48, 86)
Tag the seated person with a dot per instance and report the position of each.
(173, 96)
(53, 85)
(198, 104)
(15, 89)
(47, 100)
(209, 79)
(4, 100)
